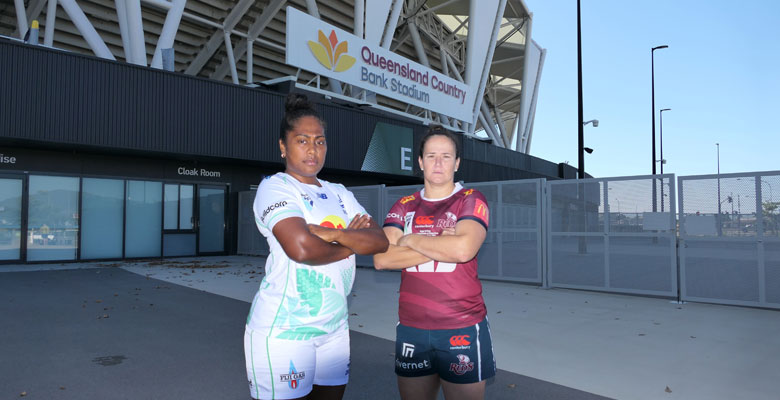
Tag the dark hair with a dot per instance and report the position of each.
(434, 130)
(296, 106)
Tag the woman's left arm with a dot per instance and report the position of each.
(363, 236)
(458, 248)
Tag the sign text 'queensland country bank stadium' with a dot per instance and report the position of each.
(318, 47)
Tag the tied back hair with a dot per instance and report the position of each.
(434, 130)
(296, 106)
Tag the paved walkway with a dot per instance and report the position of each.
(550, 344)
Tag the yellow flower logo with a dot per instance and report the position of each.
(330, 53)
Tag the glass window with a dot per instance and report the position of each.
(102, 207)
(185, 207)
(171, 206)
(143, 228)
(10, 218)
(178, 244)
(212, 220)
(52, 218)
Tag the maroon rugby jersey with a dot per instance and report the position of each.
(439, 295)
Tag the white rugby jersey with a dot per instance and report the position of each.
(297, 301)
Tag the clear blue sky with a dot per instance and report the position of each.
(720, 76)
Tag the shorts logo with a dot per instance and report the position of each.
(293, 377)
(424, 220)
(464, 365)
(460, 340)
(407, 350)
(272, 207)
(406, 199)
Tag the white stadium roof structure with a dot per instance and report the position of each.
(468, 42)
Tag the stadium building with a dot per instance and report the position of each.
(128, 128)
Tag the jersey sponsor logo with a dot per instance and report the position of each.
(448, 221)
(393, 215)
(464, 365)
(341, 204)
(307, 201)
(322, 196)
(408, 219)
(272, 207)
(433, 266)
(423, 220)
(406, 199)
(425, 364)
(481, 210)
(333, 221)
(407, 350)
(468, 192)
(293, 377)
(460, 340)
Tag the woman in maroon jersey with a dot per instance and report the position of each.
(443, 338)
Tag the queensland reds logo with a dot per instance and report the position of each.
(464, 365)
(407, 199)
(334, 222)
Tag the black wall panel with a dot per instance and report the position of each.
(58, 100)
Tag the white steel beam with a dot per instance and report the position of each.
(231, 59)
(51, 15)
(135, 29)
(360, 17)
(257, 27)
(392, 23)
(86, 29)
(21, 18)
(484, 63)
(168, 34)
(217, 39)
(418, 45)
(250, 61)
(376, 14)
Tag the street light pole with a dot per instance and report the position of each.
(661, 137)
(580, 126)
(719, 225)
(652, 101)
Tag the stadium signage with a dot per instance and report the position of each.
(323, 49)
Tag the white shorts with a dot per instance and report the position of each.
(287, 369)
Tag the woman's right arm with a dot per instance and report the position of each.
(397, 257)
(303, 247)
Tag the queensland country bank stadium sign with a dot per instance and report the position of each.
(318, 47)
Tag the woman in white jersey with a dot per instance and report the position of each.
(443, 336)
(297, 338)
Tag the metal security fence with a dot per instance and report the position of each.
(513, 247)
(730, 238)
(250, 241)
(613, 234)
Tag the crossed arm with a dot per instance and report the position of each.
(457, 245)
(317, 245)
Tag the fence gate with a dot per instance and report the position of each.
(730, 238)
(513, 247)
(613, 234)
